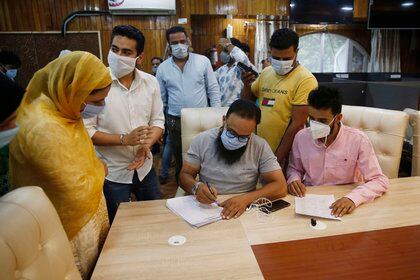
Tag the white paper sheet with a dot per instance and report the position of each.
(315, 205)
(194, 212)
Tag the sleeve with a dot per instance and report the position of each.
(376, 183)
(91, 125)
(268, 161)
(162, 86)
(212, 86)
(157, 117)
(194, 153)
(303, 90)
(295, 170)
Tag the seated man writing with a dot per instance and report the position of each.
(229, 160)
(330, 153)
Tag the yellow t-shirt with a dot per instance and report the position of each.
(276, 96)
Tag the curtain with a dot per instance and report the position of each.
(261, 46)
(385, 53)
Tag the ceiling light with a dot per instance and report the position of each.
(407, 4)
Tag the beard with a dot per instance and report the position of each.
(228, 156)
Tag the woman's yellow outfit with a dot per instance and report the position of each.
(52, 150)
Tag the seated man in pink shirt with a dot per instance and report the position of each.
(330, 153)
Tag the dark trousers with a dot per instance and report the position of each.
(174, 128)
(115, 193)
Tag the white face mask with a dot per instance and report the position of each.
(121, 65)
(224, 57)
(7, 135)
(180, 51)
(11, 73)
(320, 130)
(91, 111)
(282, 67)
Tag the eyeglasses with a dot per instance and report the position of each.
(231, 134)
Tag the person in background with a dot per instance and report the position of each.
(229, 160)
(9, 64)
(186, 80)
(52, 149)
(330, 153)
(64, 52)
(265, 63)
(282, 90)
(229, 75)
(156, 61)
(133, 120)
(10, 97)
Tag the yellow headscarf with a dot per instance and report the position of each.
(52, 149)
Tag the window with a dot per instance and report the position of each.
(326, 52)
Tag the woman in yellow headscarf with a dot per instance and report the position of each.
(52, 149)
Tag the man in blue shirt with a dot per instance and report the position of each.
(186, 80)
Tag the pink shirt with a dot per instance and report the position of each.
(349, 159)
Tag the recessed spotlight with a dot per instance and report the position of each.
(347, 8)
(292, 5)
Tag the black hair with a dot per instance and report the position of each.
(10, 58)
(175, 29)
(10, 97)
(158, 58)
(246, 48)
(245, 109)
(131, 32)
(284, 38)
(236, 42)
(326, 98)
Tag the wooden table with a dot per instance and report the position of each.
(137, 248)
(379, 237)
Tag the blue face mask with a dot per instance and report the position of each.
(91, 111)
(231, 142)
(11, 73)
(7, 135)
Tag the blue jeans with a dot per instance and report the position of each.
(166, 157)
(115, 193)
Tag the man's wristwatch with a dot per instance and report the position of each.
(195, 187)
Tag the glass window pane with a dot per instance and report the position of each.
(332, 44)
(310, 52)
(356, 61)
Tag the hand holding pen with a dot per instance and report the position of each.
(206, 194)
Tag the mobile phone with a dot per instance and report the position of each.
(277, 205)
(247, 68)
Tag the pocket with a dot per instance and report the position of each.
(343, 169)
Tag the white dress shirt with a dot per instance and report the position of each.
(125, 110)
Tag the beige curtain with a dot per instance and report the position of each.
(385, 53)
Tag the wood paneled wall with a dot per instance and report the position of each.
(239, 7)
(48, 15)
(206, 31)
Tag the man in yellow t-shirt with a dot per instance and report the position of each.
(282, 90)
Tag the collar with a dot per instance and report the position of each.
(136, 82)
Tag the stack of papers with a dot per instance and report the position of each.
(315, 205)
(194, 212)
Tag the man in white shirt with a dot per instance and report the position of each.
(131, 122)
